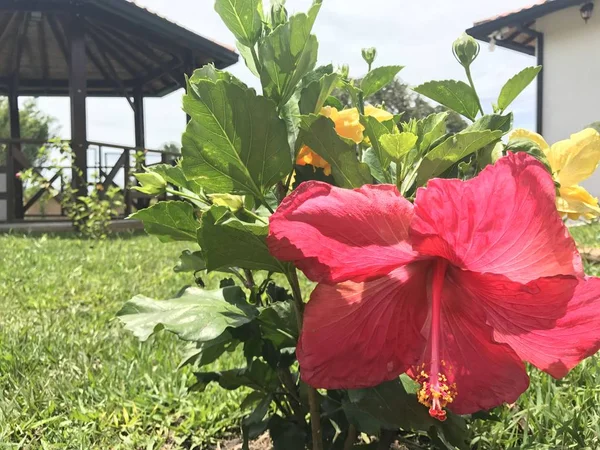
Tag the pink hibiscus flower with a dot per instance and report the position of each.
(456, 290)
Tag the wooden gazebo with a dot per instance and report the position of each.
(81, 48)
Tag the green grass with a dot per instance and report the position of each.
(71, 377)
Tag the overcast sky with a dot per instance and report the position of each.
(414, 33)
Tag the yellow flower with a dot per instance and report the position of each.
(572, 161)
(347, 124)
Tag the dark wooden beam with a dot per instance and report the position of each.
(14, 184)
(5, 33)
(139, 119)
(17, 50)
(58, 36)
(114, 52)
(149, 53)
(97, 63)
(120, 45)
(78, 94)
(39, 193)
(111, 69)
(43, 46)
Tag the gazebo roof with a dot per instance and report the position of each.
(128, 48)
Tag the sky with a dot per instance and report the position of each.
(415, 34)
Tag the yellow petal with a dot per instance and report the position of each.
(521, 133)
(348, 125)
(308, 157)
(578, 156)
(380, 114)
(575, 201)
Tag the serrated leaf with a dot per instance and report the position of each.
(235, 142)
(314, 95)
(374, 130)
(513, 87)
(211, 73)
(431, 128)
(320, 135)
(258, 376)
(398, 145)
(246, 53)
(190, 262)
(453, 150)
(243, 19)
(287, 55)
(370, 158)
(377, 78)
(203, 353)
(169, 221)
(228, 242)
(493, 122)
(456, 95)
(197, 315)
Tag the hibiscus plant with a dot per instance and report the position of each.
(442, 263)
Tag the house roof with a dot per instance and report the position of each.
(128, 48)
(513, 29)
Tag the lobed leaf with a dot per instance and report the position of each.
(169, 221)
(243, 19)
(197, 315)
(513, 87)
(235, 142)
(453, 150)
(456, 95)
(378, 78)
(320, 135)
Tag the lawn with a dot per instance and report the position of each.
(71, 377)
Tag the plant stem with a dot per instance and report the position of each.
(255, 216)
(249, 278)
(470, 78)
(184, 195)
(350, 438)
(255, 58)
(313, 396)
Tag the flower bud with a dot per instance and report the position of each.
(151, 183)
(465, 50)
(279, 14)
(369, 55)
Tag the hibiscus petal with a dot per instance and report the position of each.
(335, 234)
(486, 373)
(575, 201)
(578, 155)
(503, 221)
(552, 323)
(359, 335)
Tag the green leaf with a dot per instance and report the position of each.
(370, 158)
(197, 315)
(431, 128)
(321, 137)
(374, 130)
(169, 221)
(278, 324)
(258, 376)
(287, 55)
(287, 435)
(235, 142)
(453, 150)
(228, 242)
(513, 87)
(253, 425)
(203, 353)
(314, 95)
(190, 262)
(531, 148)
(398, 145)
(246, 53)
(492, 122)
(394, 405)
(456, 95)
(211, 73)
(377, 78)
(243, 19)
(490, 154)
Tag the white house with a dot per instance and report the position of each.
(564, 36)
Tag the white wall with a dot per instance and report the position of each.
(571, 76)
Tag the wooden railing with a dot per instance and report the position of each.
(107, 164)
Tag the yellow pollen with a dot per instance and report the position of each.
(435, 393)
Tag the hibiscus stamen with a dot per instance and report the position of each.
(436, 392)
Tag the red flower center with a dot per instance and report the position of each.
(436, 392)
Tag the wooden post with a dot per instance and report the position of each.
(78, 94)
(140, 137)
(14, 184)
